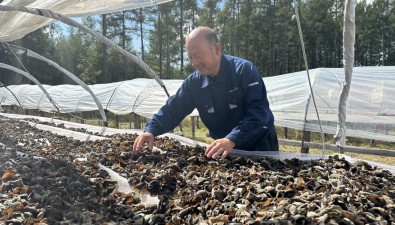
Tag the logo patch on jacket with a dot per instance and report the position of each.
(253, 84)
(232, 106)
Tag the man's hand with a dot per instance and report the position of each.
(220, 147)
(143, 138)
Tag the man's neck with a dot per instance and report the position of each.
(218, 68)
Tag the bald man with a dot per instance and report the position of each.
(229, 94)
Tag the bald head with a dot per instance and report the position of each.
(203, 33)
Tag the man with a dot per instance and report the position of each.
(229, 94)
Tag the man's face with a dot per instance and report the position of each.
(205, 57)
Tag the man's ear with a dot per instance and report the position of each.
(217, 47)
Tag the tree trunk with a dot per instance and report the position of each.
(247, 35)
(181, 38)
(194, 10)
(232, 32)
(105, 53)
(167, 46)
(125, 65)
(160, 43)
(141, 33)
(270, 43)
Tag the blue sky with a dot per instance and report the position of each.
(136, 42)
(368, 1)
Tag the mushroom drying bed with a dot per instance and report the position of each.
(44, 181)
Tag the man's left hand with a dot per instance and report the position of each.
(220, 147)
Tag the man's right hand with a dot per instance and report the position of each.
(140, 140)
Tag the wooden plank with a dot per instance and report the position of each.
(193, 126)
(305, 139)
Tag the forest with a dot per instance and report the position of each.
(262, 31)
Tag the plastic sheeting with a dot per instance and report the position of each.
(52, 14)
(15, 25)
(370, 111)
(370, 105)
(21, 51)
(141, 96)
(30, 77)
(348, 58)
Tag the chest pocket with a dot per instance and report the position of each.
(235, 99)
(204, 102)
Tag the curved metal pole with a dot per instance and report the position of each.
(21, 51)
(19, 103)
(308, 78)
(54, 15)
(30, 77)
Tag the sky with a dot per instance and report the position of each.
(64, 27)
(368, 1)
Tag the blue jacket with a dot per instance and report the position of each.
(233, 104)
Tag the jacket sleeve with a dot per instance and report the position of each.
(170, 115)
(258, 115)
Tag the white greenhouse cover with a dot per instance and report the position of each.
(15, 25)
(370, 111)
(370, 104)
(142, 96)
